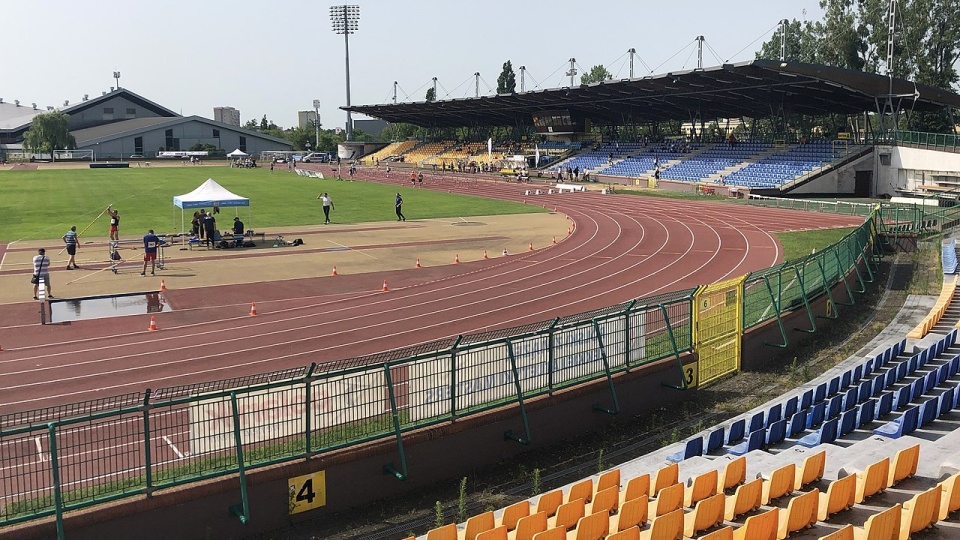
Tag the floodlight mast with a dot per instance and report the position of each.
(346, 20)
(116, 75)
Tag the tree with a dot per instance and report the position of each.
(802, 44)
(597, 73)
(431, 94)
(507, 81)
(48, 132)
(252, 125)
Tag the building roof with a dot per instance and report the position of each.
(751, 89)
(13, 117)
(136, 126)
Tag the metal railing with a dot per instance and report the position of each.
(936, 141)
(70, 457)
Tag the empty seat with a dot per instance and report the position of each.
(606, 501)
(779, 483)
(826, 434)
(549, 502)
(843, 533)
(798, 423)
(872, 480)
(700, 487)
(904, 425)
(496, 533)
(693, 447)
(866, 412)
(776, 433)
(477, 524)
(928, 411)
(567, 515)
(950, 498)
(920, 512)
(736, 432)
(881, 526)
(556, 533)
(839, 496)
(904, 464)
(530, 525)
(608, 479)
(638, 486)
(592, 527)
(512, 514)
(445, 532)
(633, 533)
(848, 422)
(811, 470)
(733, 474)
(581, 490)
(667, 476)
(706, 514)
(666, 527)
(668, 499)
(633, 513)
(754, 442)
(725, 533)
(714, 439)
(759, 527)
(801, 512)
(884, 405)
(745, 499)
(816, 415)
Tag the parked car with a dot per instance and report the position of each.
(315, 157)
(136, 156)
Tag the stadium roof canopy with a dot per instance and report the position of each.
(755, 89)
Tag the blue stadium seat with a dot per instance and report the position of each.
(777, 431)
(820, 393)
(756, 422)
(903, 425)
(737, 431)
(884, 405)
(753, 442)
(848, 422)
(928, 411)
(826, 434)
(715, 439)
(798, 423)
(833, 386)
(866, 412)
(806, 400)
(790, 408)
(834, 406)
(902, 397)
(816, 415)
(774, 414)
(947, 399)
(694, 447)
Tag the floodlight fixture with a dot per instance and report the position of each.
(346, 20)
(116, 75)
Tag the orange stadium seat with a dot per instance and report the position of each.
(801, 513)
(839, 496)
(666, 527)
(633, 533)
(779, 484)
(606, 501)
(593, 527)
(881, 526)
(706, 514)
(581, 490)
(632, 513)
(843, 533)
(759, 527)
(920, 512)
(446, 532)
(477, 524)
(950, 499)
(734, 473)
(567, 515)
(904, 464)
(668, 500)
(725, 533)
(745, 499)
(496, 533)
(557, 533)
(608, 479)
(872, 480)
(638, 486)
(665, 477)
(811, 470)
(549, 502)
(700, 487)
(513, 513)
(530, 525)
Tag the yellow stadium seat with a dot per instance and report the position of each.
(606, 501)
(872, 480)
(839, 497)
(581, 490)
(446, 532)
(638, 486)
(950, 499)
(745, 499)
(633, 533)
(779, 484)
(725, 533)
(633, 513)
(665, 477)
(557, 533)
(496, 533)
(608, 479)
(734, 474)
(759, 527)
(513, 513)
(811, 470)
(592, 527)
(920, 512)
(666, 527)
(843, 533)
(904, 464)
(706, 514)
(549, 502)
(529, 526)
(700, 487)
(881, 526)
(801, 513)
(476, 525)
(669, 499)
(567, 515)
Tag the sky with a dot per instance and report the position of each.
(275, 58)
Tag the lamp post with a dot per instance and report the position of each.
(316, 123)
(346, 20)
(116, 75)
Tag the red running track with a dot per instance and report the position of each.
(623, 247)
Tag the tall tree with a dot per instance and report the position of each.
(48, 132)
(431, 94)
(802, 44)
(507, 81)
(597, 73)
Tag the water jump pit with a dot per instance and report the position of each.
(99, 307)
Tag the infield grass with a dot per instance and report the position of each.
(43, 204)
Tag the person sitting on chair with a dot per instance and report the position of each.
(237, 232)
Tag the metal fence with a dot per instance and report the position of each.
(936, 141)
(70, 457)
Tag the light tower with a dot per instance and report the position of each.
(316, 123)
(346, 20)
(116, 75)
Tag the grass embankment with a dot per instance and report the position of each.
(44, 204)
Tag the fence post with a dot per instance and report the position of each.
(826, 288)
(843, 275)
(308, 407)
(806, 303)
(55, 472)
(508, 435)
(147, 448)
(453, 378)
(776, 310)
(606, 368)
(676, 350)
(243, 510)
(626, 332)
(388, 468)
(550, 354)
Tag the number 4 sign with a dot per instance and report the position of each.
(307, 492)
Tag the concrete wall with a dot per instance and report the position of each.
(912, 167)
(841, 181)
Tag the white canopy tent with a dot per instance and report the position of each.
(238, 153)
(210, 194)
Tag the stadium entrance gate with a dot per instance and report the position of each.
(717, 327)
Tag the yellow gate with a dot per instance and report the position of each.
(717, 328)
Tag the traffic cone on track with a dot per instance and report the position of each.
(163, 285)
(456, 260)
(153, 324)
(531, 247)
(554, 239)
(418, 263)
(253, 309)
(485, 254)
(384, 289)
(334, 270)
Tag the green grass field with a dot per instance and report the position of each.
(44, 204)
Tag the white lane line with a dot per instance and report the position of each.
(173, 447)
(39, 449)
(348, 248)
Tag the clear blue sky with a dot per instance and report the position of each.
(276, 57)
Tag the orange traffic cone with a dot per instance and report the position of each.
(253, 309)
(554, 239)
(334, 270)
(153, 323)
(163, 285)
(384, 289)
(456, 260)
(531, 247)
(485, 254)
(418, 262)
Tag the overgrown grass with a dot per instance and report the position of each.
(927, 269)
(799, 244)
(44, 204)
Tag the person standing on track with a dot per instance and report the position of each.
(70, 241)
(210, 229)
(327, 206)
(114, 223)
(399, 206)
(41, 270)
(150, 244)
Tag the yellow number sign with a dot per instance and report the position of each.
(307, 492)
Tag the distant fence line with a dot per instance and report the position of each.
(75, 456)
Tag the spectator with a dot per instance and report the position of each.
(41, 270)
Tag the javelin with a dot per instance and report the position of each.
(88, 275)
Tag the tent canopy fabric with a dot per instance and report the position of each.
(238, 153)
(210, 193)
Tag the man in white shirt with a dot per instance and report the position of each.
(41, 270)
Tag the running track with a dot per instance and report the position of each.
(623, 247)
